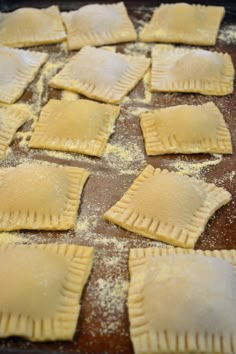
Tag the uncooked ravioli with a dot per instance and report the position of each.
(186, 129)
(176, 69)
(41, 289)
(40, 196)
(18, 68)
(182, 300)
(98, 24)
(101, 74)
(183, 23)
(80, 126)
(168, 206)
(27, 27)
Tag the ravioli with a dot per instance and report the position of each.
(176, 69)
(168, 206)
(101, 74)
(98, 24)
(41, 289)
(182, 301)
(80, 126)
(186, 129)
(27, 27)
(18, 68)
(184, 23)
(40, 196)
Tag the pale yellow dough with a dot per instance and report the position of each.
(186, 129)
(184, 23)
(182, 301)
(101, 74)
(168, 206)
(27, 27)
(41, 289)
(11, 118)
(18, 68)
(40, 196)
(98, 24)
(177, 69)
(80, 126)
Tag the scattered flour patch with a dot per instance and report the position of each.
(127, 159)
(195, 168)
(40, 91)
(109, 296)
(228, 34)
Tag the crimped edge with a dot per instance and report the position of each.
(13, 118)
(63, 324)
(154, 146)
(186, 237)
(41, 139)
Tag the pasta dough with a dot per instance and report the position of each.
(81, 126)
(167, 206)
(26, 27)
(186, 129)
(184, 23)
(191, 70)
(182, 301)
(35, 196)
(41, 288)
(98, 24)
(18, 68)
(101, 74)
(11, 118)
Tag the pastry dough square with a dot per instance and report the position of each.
(176, 69)
(168, 206)
(40, 196)
(98, 24)
(80, 126)
(11, 119)
(18, 68)
(101, 74)
(41, 289)
(182, 301)
(186, 129)
(184, 23)
(27, 27)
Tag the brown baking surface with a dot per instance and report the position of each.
(103, 322)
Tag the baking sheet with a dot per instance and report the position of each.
(103, 321)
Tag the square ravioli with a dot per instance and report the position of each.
(41, 289)
(11, 119)
(40, 196)
(26, 27)
(177, 69)
(101, 74)
(184, 23)
(18, 68)
(168, 206)
(186, 129)
(80, 126)
(182, 301)
(98, 24)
